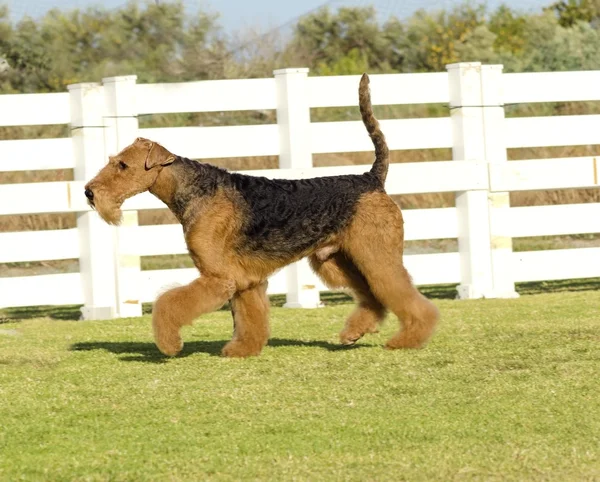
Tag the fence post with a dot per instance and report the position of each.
(492, 96)
(293, 119)
(121, 127)
(472, 206)
(97, 259)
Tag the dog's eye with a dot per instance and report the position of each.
(122, 165)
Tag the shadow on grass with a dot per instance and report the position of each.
(147, 352)
(558, 286)
(61, 312)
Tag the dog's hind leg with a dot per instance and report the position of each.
(250, 309)
(374, 242)
(180, 306)
(338, 271)
(418, 316)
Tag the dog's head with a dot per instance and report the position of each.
(132, 171)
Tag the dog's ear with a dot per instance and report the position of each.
(157, 155)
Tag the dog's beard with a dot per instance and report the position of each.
(110, 211)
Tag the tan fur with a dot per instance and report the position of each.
(180, 306)
(250, 309)
(339, 272)
(374, 242)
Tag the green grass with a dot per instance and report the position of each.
(506, 390)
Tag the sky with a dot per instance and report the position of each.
(266, 14)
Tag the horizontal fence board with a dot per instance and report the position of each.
(168, 239)
(42, 197)
(217, 142)
(36, 154)
(405, 178)
(401, 134)
(35, 109)
(437, 223)
(441, 268)
(556, 264)
(143, 201)
(206, 96)
(428, 177)
(531, 175)
(154, 282)
(547, 220)
(388, 89)
(39, 245)
(425, 269)
(433, 269)
(326, 137)
(528, 87)
(152, 240)
(566, 130)
(51, 289)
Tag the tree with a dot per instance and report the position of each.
(551, 47)
(432, 40)
(478, 46)
(157, 42)
(570, 12)
(509, 29)
(353, 62)
(344, 41)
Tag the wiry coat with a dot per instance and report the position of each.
(282, 218)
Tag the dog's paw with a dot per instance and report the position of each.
(169, 345)
(404, 340)
(235, 349)
(349, 337)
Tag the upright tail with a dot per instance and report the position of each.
(382, 154)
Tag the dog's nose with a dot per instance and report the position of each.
(89, 194)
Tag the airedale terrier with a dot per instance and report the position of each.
(240, 229)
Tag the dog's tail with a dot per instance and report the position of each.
(382, 154)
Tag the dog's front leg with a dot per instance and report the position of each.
(250, 309)
(180, 306)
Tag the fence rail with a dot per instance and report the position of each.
(103, 118)
(34, 109)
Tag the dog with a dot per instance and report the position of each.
(240, 229)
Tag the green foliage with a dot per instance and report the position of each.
(162, 42)
(350, 41)
(5, 28)
(353, 62)
(570, 12)
(550, 47)
(478, 46)
(343, 42)
(510, 30)
(433, 40)
(158, 42)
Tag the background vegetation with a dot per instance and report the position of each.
(164, 43)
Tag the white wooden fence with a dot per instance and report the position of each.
(103, 118)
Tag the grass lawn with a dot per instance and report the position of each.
(506, 390)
